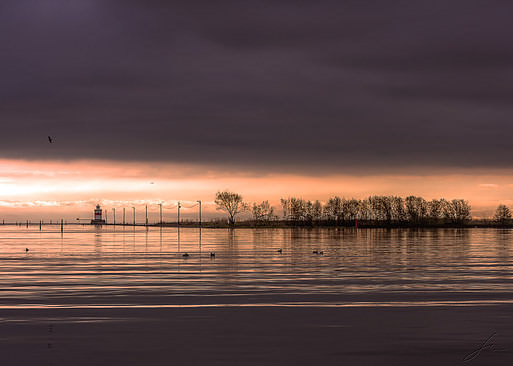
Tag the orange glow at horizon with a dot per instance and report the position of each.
(77, 185)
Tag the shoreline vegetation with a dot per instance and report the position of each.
(372, 212)
(281, 224)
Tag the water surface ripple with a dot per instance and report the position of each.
(132, 267)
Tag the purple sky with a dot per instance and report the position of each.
(296, 86)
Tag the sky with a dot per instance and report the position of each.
(268, 98)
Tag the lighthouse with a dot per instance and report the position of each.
(98, 220)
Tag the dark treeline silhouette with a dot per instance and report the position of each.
(376, 211)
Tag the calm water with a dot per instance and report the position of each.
(127, 267)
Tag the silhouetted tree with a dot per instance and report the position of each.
(350, 209)
(459, 211)
(295, 209)
(263, 211)
(502, 214)
(230, 202)
(317, 210)
(364, 210)
(333, 209)
(398, 209)
(435, 209)
(377, 210)
(416, 209)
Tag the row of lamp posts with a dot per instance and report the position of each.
(160, 210)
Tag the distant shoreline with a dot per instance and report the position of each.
(287, 225)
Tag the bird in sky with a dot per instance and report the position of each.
(50, 139)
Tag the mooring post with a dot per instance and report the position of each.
(40, 223)
(62, 225)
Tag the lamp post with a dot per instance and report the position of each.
(114, 214)
(146, 215)
(133, 208)
(123, 216)
(179, 213)
(160, 204)
(199, 201)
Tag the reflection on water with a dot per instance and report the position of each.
(127, 266)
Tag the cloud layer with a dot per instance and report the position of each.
(281, 85)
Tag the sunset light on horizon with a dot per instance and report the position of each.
(43, 189)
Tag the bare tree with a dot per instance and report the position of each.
(333, 209)
(232, 203)
(263, 211)
(460, 211)
(317, 210)
(435, 209)
(416, 208)
(295, 209)
(398, 210)
(502, 214)
(352, 209)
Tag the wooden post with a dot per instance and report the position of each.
(62, 225)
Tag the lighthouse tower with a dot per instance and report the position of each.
(98, 220)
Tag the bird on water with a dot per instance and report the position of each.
(50, 139)
(212, 255)
(185, 254)
(280, 251)
(26, 250)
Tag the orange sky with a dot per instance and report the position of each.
(44, 189)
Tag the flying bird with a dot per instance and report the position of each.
(50, 139)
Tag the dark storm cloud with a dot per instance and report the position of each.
(296, 85)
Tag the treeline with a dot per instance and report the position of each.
(375, 210)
